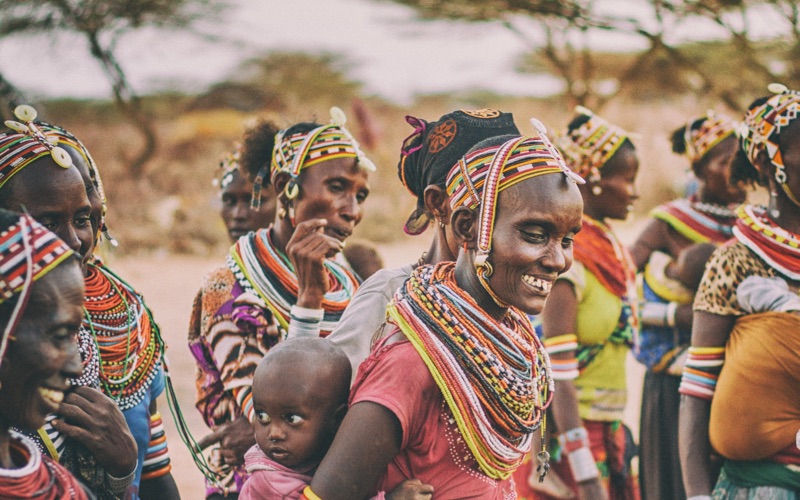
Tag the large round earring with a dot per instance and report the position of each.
(597, 190)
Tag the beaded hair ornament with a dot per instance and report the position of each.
(295, 152)
(28, 251)
(762, 127)
(229, 165)
(588, 147)
(712, 130)
(30, 143)
(481, 175)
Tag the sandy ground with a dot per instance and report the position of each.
(169, 284)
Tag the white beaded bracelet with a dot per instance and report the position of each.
(118, 485)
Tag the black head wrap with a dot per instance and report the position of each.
(434, 148)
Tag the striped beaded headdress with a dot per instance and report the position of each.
(762, 127)
(30, 143)
(28, 251)
(297, 151)
(712, 130)
(478, 179)
(229, 165)
(588, 147)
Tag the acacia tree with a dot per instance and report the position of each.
(567, 28)
(102, 23)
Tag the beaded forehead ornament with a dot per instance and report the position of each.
(295, 152)
(19, 150)
(762, 127)
(229, 165)
(712, 130)
(588, 147)
(479, 178)
(28, 251)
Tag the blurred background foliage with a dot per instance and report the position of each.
(159, 153)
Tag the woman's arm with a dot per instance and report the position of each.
(560, 318)
(651, 239)
(366, 442)
(710, 330)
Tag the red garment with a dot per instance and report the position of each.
(432, 449)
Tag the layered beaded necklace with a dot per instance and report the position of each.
(128, 340)
(778, 247)
(494, 375)
(262, 269)
(697, 221)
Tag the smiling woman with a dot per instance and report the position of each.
(453, 395)
(41, 297)
(278, 281)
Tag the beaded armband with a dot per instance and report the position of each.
(244, 398)
(701, 371)
(308, 494)
(304, 322)
(119, 485)
(156, 459)
(563, 369)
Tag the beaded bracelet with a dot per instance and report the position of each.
(118, 485)
(701, 371)
(563, 369)
(304, 322)
(658, 314)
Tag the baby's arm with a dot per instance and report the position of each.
(757, 294)
(411, 489)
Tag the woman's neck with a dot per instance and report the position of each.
(467, 280)
(439, 251)
(280, 234)
(789, 215)
(703, 196)
(5, 450)
(593, 212)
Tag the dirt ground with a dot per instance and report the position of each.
(169, 283)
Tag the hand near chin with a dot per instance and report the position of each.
(93, 419)
(234, 439)
(411, 489)
(307, 250)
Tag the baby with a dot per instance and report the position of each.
(300, 392)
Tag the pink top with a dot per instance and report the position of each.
(432, 449)
(271, 480)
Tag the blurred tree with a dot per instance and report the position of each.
(725, 71)
(102, 22)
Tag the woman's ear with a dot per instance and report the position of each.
(279, 183)
(464, 223)
(437, 203)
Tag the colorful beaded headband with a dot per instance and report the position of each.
(479, 178)
(298, 151)
(28, 251)
(19, 150)
(712, 130)
(762, 126)
(229, 165)
(588, 147)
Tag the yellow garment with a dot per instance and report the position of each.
(601, 386)
(756, 407)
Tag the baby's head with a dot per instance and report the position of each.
(300, 392)
(691, 264)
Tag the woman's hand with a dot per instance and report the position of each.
(94, 420)
(234, 439)
(307, 249)
(411, 489)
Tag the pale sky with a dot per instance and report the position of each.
(392, 53)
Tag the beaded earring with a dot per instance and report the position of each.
(597, 190)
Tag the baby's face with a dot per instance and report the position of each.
(294, 420)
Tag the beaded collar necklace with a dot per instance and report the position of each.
(262, 269)
(697, 221)
(494, 375)
(778, 247)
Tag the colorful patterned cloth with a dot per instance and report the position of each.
(711, 130)
(588, 147)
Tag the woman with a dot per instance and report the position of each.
(40, 313)
(237, 212)
(425, 404)
(119, 342)
(591, 317)
(280, 280)
(709, 143)
(740, 381)
(426, 158)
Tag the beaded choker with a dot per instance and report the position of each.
(128, 340)
(263, 270)
(696, 221)
(494, 375)
(778, 247)
(38, 479)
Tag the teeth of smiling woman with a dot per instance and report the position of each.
(52, 395)
(538, 283)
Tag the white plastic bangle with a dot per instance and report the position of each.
(654, 314)
(669, 317)
(582, 465)
(307, 313)
(700, 497)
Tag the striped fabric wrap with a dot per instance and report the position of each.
(564, 367)
(712, 130)
(588, 147)
(302, 150)
(156, 459)
(27, 238)
(701, 371)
